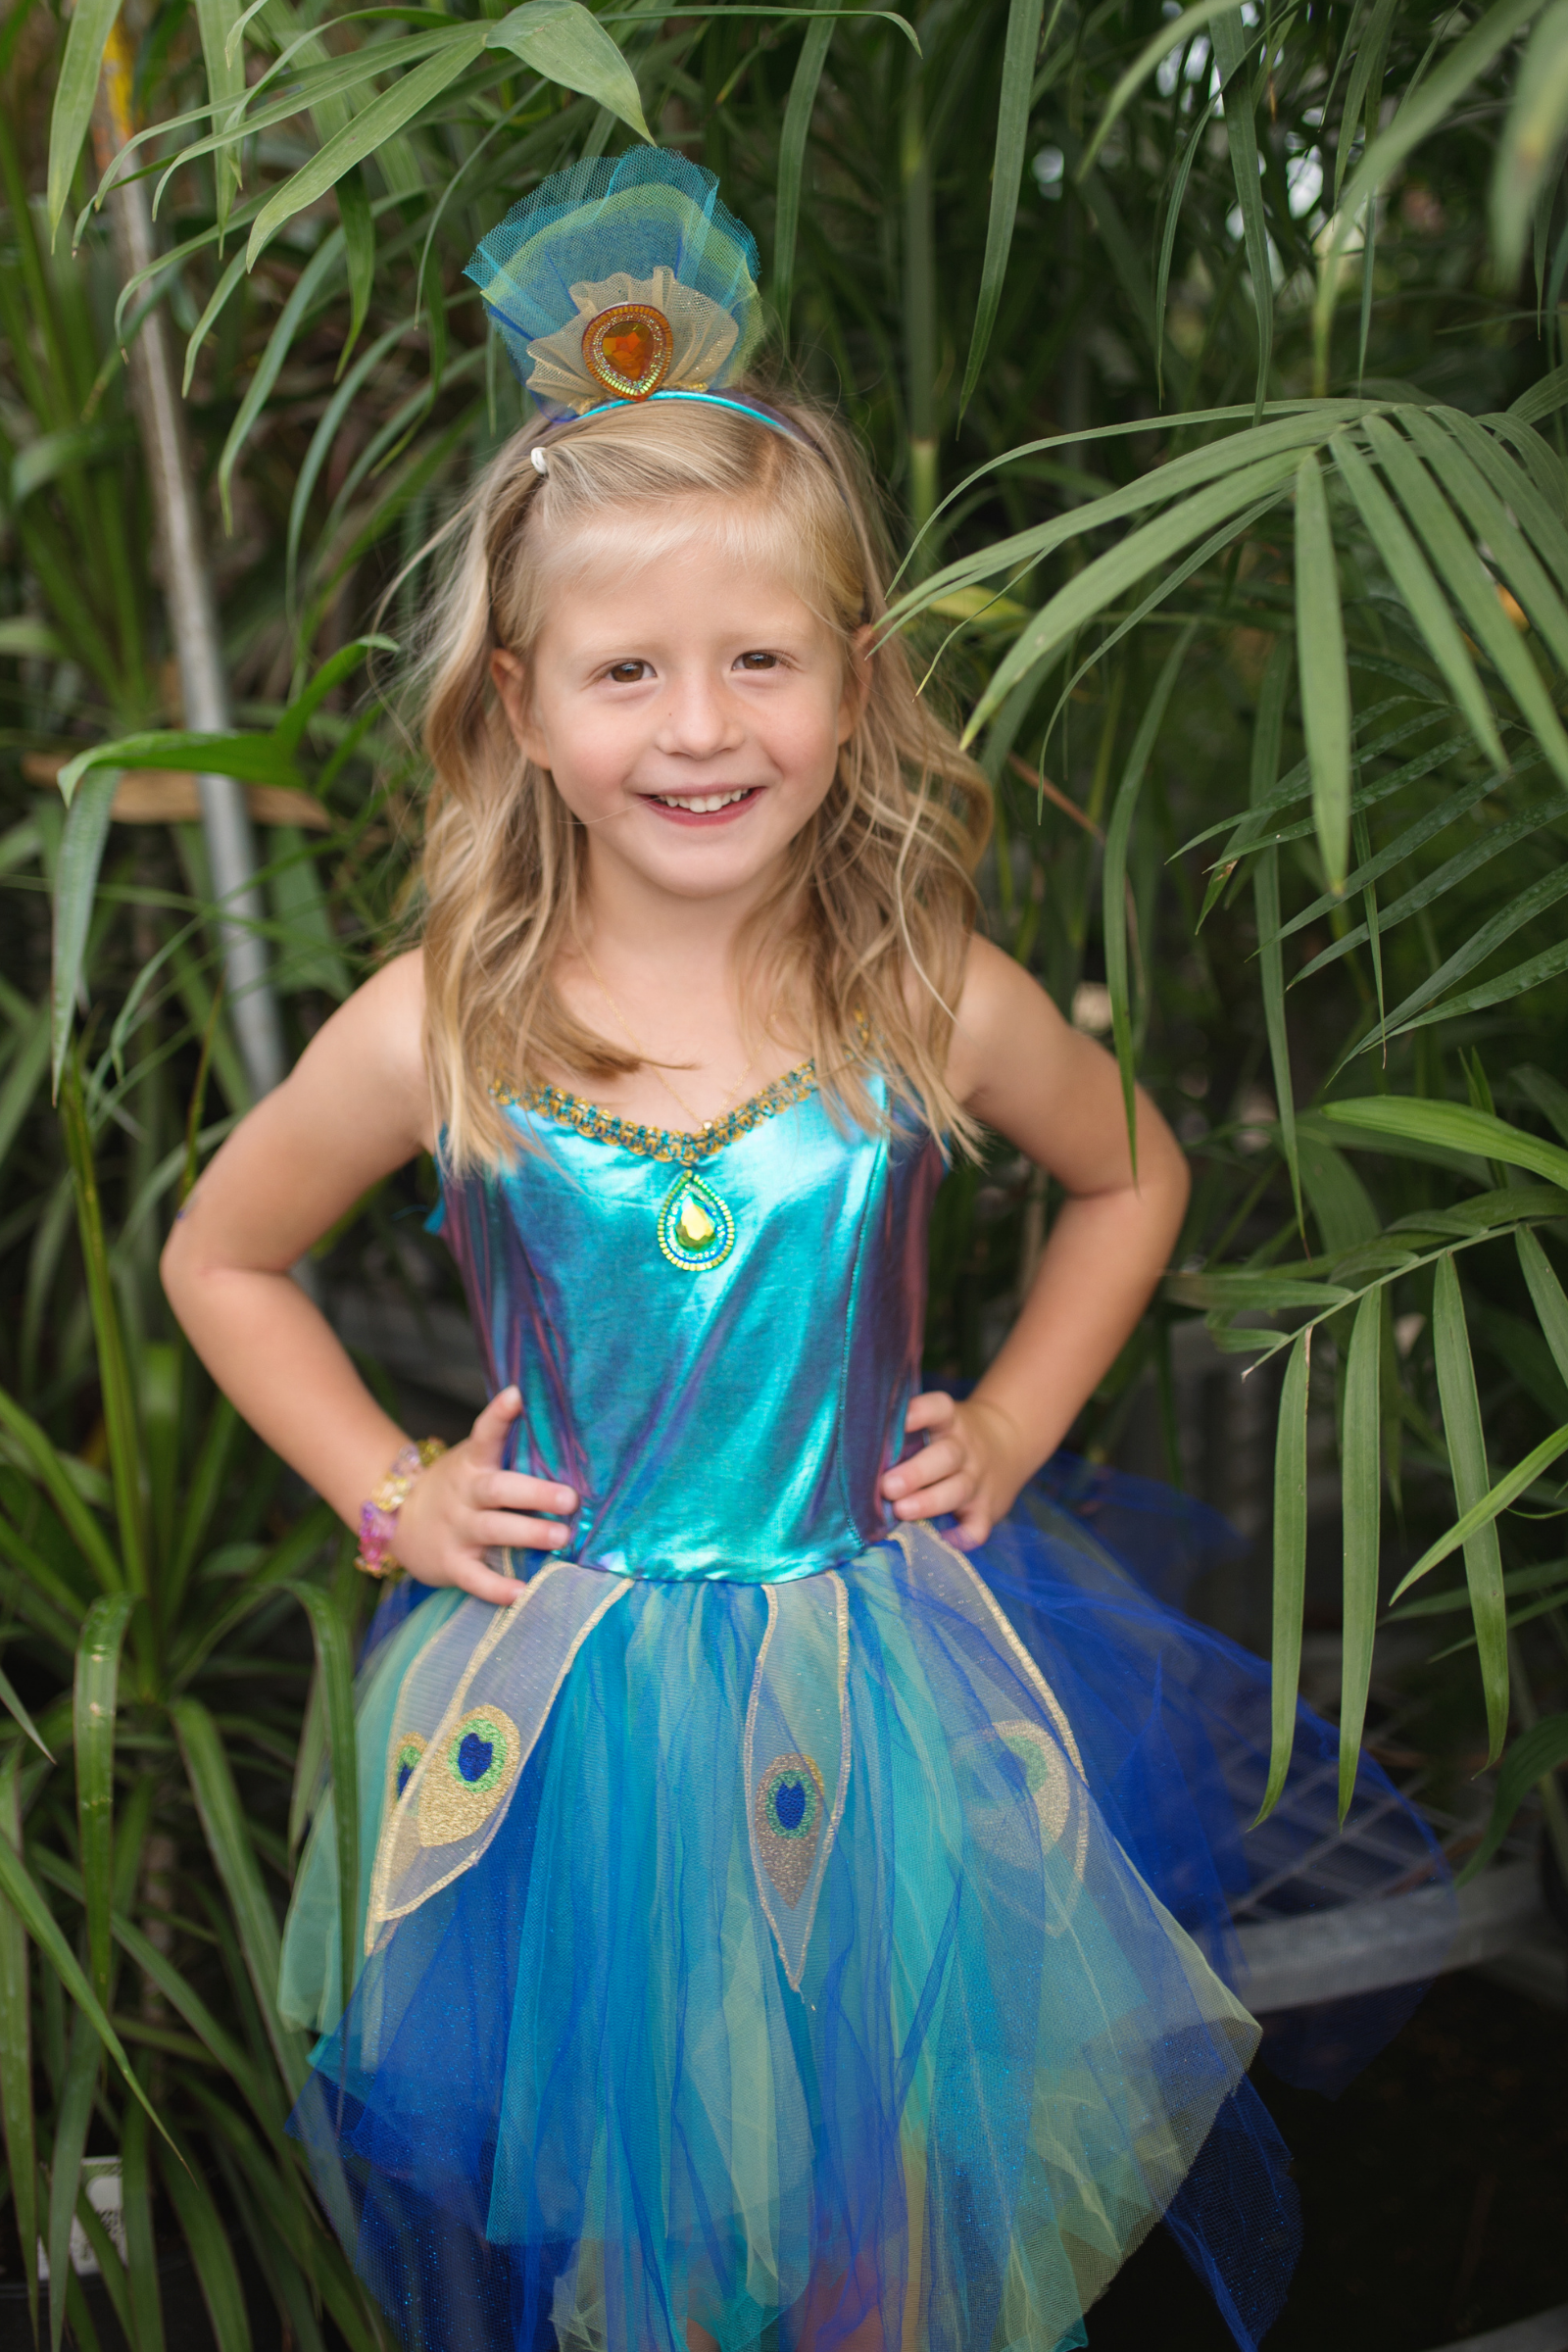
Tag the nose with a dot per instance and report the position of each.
(697, 718)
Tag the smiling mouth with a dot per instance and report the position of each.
(704, 804)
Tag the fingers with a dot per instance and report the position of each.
(937, 1460)
(514, 1491)
(974, 1525)
(957, 1497)
(489, 1432)
(467, 1506)
(954, 1493)
(506, 1507)
(490, 1531)
(457, 1558)
(933, 1408)
(472, 1576)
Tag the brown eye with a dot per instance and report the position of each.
(627, 673)
(758, 661)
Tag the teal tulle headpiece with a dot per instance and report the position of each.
(622, 278)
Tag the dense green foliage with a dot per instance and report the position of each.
(1212, 363)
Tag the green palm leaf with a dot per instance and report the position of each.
(121, 1421)
(214, 2257)
(1290, 1567)
(1467, 1466)
(218, 21)
(1534, 1755)
(16, 2040)
(34, 1914)
(1423, 599)
(1470, 584)
(1452, 1127)
(72, 2114)
(141, 2247)
(1325, 681)
(1362, 1493)
(1018, 56)
(792, 163)
(1111, 574)
(557, 39)
(1267, 729)
(1175, 34)
(1489, 517)
(75, 94)
(1233, 48)
(81, 851)
(1416, 118)
(1113, 893)
(335, 1667)
(1531, 137)
(1536, 899)
(233, 1853)
(96, 1700)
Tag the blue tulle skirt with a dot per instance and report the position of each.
(839, 1963)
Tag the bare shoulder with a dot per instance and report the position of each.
(1019, 1068)
(1004, 1021)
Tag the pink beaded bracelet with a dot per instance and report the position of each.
(378, 1515)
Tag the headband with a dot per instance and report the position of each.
(624, 280)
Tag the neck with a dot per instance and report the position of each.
(647, 927)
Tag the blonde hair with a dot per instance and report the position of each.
(861, 944)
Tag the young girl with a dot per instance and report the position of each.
(786, 1854)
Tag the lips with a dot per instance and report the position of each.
(703, 808)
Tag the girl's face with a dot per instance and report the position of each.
(690, 712)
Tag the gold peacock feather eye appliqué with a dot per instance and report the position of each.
(696, 1227)
(628, 349)
(465, 1782)
(787, 1816)
(402, 1761)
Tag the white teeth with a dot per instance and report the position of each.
(707, 805)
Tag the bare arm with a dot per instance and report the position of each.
(1018, 1067)
(356, 1106)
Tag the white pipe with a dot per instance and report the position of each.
(188, 594)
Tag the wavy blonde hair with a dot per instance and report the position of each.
(860, 948)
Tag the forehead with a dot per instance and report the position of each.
(694, 558)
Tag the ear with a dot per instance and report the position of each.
(856, 681)
(509, 677)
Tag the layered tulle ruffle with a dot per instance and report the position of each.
(825, 1958)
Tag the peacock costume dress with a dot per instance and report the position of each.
(779, 1923)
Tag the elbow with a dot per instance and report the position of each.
(175, 1269)
(1159, 1150)
(1181, 1179)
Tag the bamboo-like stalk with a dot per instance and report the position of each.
(919, 300)
(172, 476)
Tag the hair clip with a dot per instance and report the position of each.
(539, 460)
(621, 279)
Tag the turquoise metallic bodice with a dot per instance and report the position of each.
(715, 1337)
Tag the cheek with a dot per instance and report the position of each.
(588, 761)
(807, 744)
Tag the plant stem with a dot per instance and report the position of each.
(919, 300)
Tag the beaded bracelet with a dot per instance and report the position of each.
(379, 1516)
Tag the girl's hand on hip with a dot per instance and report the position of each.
(466, 1505)
(966, 1467)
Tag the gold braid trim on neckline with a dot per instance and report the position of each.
(676, 1144)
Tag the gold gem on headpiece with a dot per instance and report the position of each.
(631, 337)
(628, 349)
